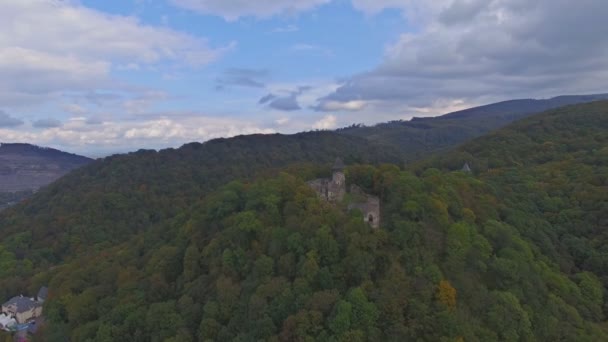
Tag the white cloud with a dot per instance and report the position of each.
(38, 73)
(439, 107)
(282, 121)
(49, 46)
(140, 104)
(75, 109)
(485, 50)
(327, 122)
(334, 106)
(64, 28)
(172, 130)
(232, 10)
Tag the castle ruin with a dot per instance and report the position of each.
(369, 205)
(333, 190)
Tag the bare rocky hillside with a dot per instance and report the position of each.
(27, 167)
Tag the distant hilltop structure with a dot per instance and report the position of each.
(466, 168)
(369, 205)
(333, 190)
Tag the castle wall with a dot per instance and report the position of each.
(333, 191)
(370, 209)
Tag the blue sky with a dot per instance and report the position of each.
(98, 77)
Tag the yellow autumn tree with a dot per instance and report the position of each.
(446, 294)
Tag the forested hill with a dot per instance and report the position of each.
(115, 197)
(421, 136)
(515, 251)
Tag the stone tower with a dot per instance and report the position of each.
(338, 172)
(332, 189)
(338, 180)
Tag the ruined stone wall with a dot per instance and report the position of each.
(368, 205)
(331, 190)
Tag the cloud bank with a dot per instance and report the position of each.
(47, 47)
(481, 51)
(8, 121)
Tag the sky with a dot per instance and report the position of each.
(97, 77)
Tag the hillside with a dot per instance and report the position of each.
(112, 198)
(25, 168)
(515, 251)
(421, 136)
(552, 172)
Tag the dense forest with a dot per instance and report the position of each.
(113, 198)
(227, 242)
(8, 199)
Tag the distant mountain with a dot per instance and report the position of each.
(25, 167)
(515, 109)
(421, 136)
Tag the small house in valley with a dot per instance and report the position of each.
(22, 309)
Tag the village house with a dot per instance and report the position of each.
(21, 310)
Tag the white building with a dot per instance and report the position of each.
(22, 309)
(6, 322)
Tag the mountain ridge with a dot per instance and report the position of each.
(420, 137)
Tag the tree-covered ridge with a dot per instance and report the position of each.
(271, 261)
(8, 199)
(551, 171)
(109, 200)
(421, 137)
(571, 134)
